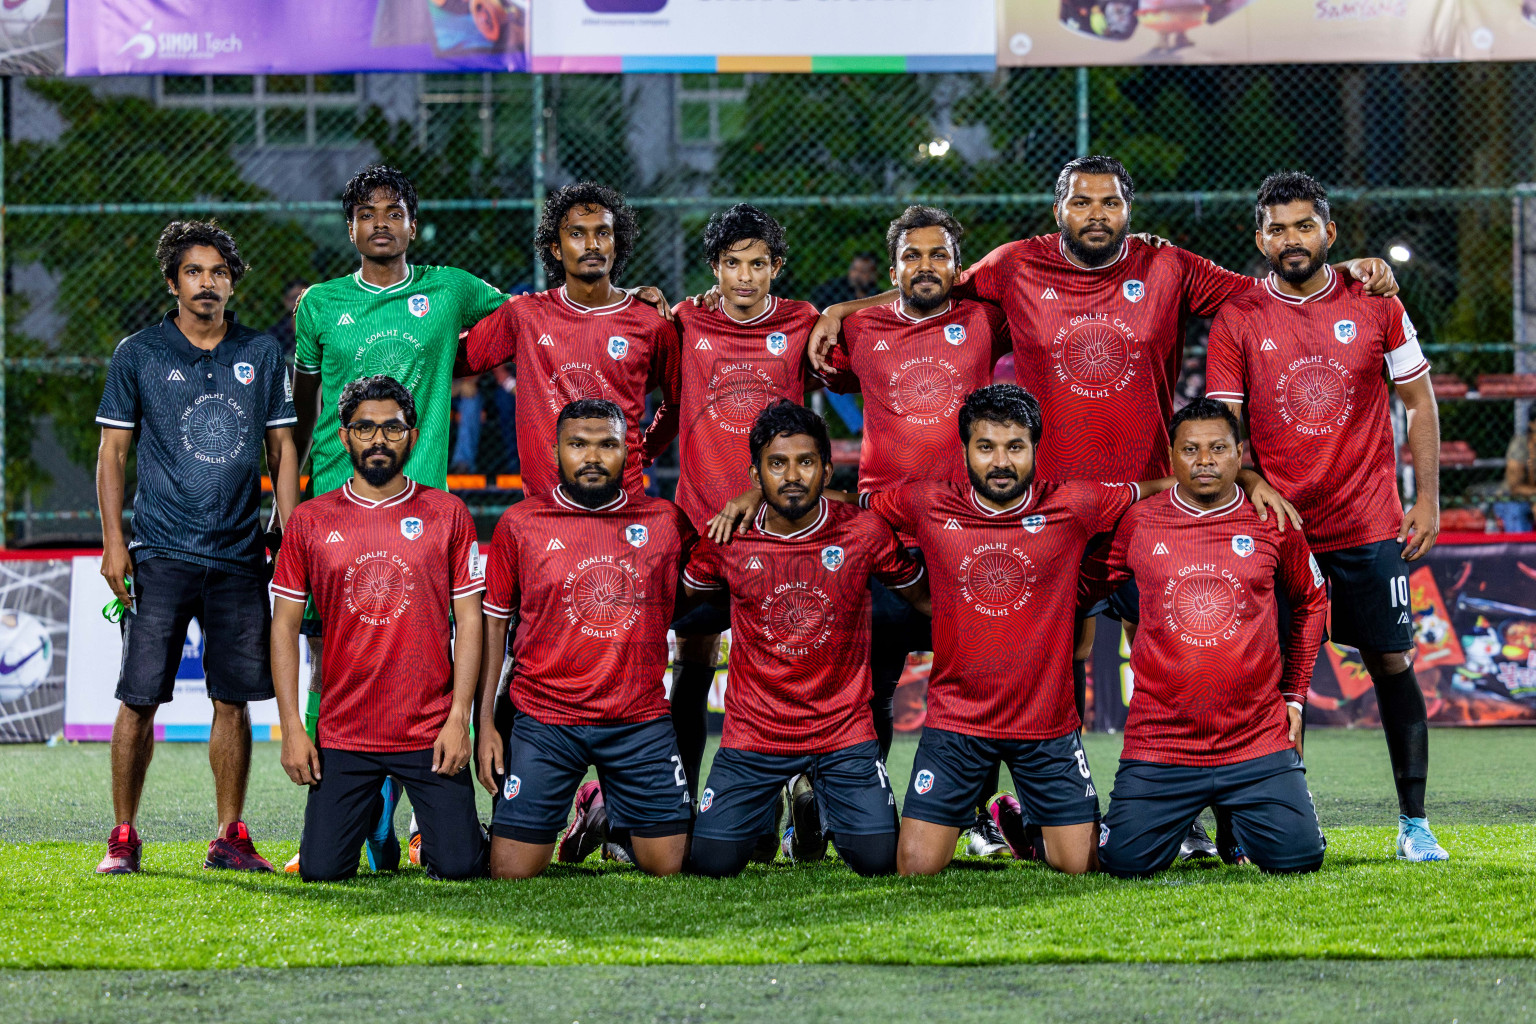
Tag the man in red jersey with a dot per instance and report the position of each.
(1216, 716)
(590, 573)
(797, 703)
(584, 338)
(1306, 354)
(1003, 552)
(387, 560)
(736, 358)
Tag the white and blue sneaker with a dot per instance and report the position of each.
(1416, 842)
(382, 846)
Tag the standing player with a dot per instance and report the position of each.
(591, 572)
(583, 338)
(1002, 552)
(205, 394)
(797, 704)
(387, 560)
(387, 317)
(1216, 717)
(736, 359)
(1306, 354)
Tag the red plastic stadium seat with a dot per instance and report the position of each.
(1463, 520)
(1452, 453)
(1448, 385)
(1507, 385)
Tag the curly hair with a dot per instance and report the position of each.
(181, 235)
(1290, 187)
(359, 191)
(743, 223)
(918, 216)
(1001, 403)
(584, 194)
(378, 388)
(784, 418)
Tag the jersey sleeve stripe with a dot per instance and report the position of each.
(289, 595)
(903, 586)
(1414, 374)
(696, 585)
(1225, 396)
(283, 422)
(473, 588)
(104, 421)
(495, 610)
(864, 497)
(306, 367)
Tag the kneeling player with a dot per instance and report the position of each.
(591, 571)
(1216, 716)
(798, 700)
(387, 559)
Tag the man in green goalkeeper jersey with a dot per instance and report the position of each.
(387, 317)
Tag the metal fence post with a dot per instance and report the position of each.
(539, 283)
(1082, 111)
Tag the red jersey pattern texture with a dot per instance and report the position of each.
(1101, 349)
(915, 375)
(1004, 588)
(564, 352)
(731, 370)
(1210, 684)
(593, 590)
(1310, 371)
(799, 672)
(384, 575)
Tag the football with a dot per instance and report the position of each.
(26, 654)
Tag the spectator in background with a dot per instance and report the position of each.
(1520, 463)
(283, 330)
(860, 282)
(469, 404)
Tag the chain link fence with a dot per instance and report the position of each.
(1426, 163)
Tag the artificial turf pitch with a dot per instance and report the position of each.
(1366, 938)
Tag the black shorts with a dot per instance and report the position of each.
(1153, 806)
(236, 618)
(1096, 595)
(644, 788)
(1051, 776)
(853, 792)
(1368, 592)
(896, 628)
(342, 807)
(704, 619)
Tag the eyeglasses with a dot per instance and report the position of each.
(364, 430)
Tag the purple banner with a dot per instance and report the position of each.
(231, 37)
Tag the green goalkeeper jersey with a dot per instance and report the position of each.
(347, 328)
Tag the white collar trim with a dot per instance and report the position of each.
(1061, 243)
(403, 496)
(773, 303)
(1018, 506)
(594, 310)
(357, 276)
(1204, 513)
(1301, 300)
(901, 313)
(618, 502)
(762, 514)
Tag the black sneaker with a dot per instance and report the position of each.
(767, 849)
(985, 839)
(1197, 844)
(805, 841)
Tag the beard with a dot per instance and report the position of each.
(925, 305)
(1017, 487)
(1300, 274)
(382, 473)
(1094, 255)
(590, 495)
(793, 506)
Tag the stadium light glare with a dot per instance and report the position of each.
(1400, 253)
(938, 147)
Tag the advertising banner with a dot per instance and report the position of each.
(96, 657)
(194, 37)
(1474, 612)
(1078, 32)
(706, 36)
(34, 647)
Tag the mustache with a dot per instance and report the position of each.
(379, 449)
(926, 276)
(206, 295)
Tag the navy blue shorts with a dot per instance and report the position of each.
(234, 612)
(896, 628)
(704, 619)
(1095, 597)
(1368, 591)
(853, 792)
(1051, 776)
(644, 787)
(1153, 806)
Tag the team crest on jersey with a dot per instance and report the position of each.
(618, 346)
(411, 527)
(1242, 545)
(514, 786)
(778, 341)
(954, 333)
(1034, 524)
(636, 534)
(1133, 290)
(706, 800)
(832, 557)
(418, 304)
(245, 373)
(922, 782)
(1344, 331)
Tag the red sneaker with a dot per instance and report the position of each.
(590, 827)
(234, 851)
(123, 848)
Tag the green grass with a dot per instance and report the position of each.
(1366, 938)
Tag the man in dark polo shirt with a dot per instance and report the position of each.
(202, 394)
